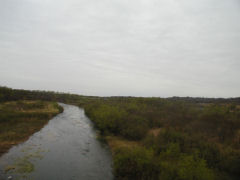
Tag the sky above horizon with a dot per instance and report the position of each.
(150, 48)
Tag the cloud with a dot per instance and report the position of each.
(122, 47)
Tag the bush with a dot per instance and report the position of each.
(135, 163)
(134, 128)
(177, 165)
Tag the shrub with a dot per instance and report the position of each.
(176, 165)
(136, 163)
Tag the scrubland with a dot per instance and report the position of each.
(159, 138)
(153, 138)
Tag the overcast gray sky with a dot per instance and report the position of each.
(122, 47)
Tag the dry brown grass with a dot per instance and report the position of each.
(20, 119)
(154, 131)
(117, 142)
(15, 106)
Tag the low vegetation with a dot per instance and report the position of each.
(153, 138)
(20, 119)
(161, 138)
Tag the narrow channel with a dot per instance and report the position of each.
(65, 149)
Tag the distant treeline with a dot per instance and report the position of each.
(9, 94)
(206, 100)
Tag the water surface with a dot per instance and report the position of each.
(65, 149)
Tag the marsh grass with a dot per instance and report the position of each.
(20, 119)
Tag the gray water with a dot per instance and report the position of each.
(65, 149)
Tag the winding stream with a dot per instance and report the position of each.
(65, 149)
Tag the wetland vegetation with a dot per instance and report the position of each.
(153, 138)
(20, 119)
(161, 138)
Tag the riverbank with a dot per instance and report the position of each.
(65, 148)
(20, 119)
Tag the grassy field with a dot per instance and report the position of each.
(20, 119)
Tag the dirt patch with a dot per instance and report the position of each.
(117, 142)
(155, 131)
